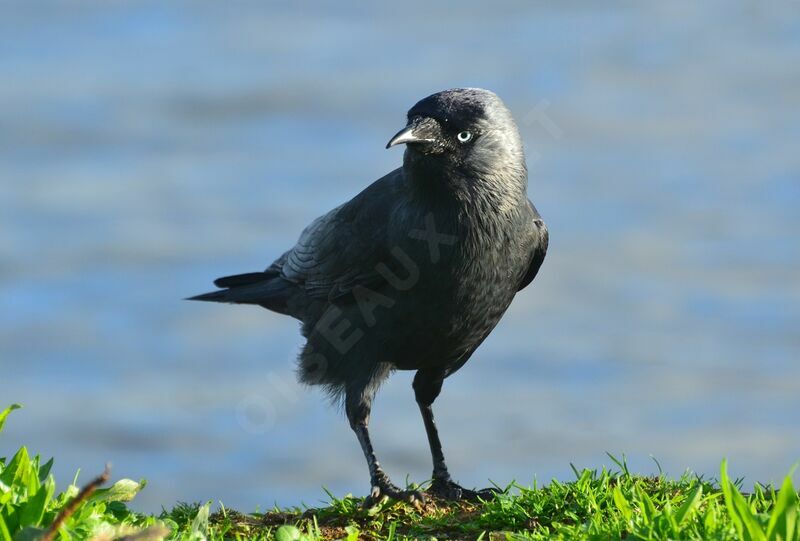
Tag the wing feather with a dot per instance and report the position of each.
(341, 249)
(541, 239)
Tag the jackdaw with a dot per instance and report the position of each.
(414, 272)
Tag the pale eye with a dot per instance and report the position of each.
(464, 136)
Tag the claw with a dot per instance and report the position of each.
(416, 497)
(383, 489)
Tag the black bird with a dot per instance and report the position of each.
(415, 271)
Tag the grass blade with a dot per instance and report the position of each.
(747, 524)
(648, 508)
(199, 527)
(783, 521)
(5, 535)
(691, 503)
(32, 512)
(622, 464)
(622, 504)
(5, 412)
(725, 485)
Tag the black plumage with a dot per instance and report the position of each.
(415, 271)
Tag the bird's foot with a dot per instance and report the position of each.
(382, 488)
(447, 489)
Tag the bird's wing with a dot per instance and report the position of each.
(341, 249)
(541, 239)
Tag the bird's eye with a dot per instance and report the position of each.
(464, 136)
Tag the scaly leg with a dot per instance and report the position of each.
(427, 386)
(358, 409)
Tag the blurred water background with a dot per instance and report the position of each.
(149, 147)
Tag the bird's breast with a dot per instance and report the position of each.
(465, 272)
(471, 284)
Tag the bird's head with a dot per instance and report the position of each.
(467, 132)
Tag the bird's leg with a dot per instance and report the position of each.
(358, 414)
(426, 388)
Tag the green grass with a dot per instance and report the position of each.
(604, 504)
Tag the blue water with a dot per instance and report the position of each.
(147, 148)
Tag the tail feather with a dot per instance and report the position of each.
(242, 279)
(213, 296)
(262, 288)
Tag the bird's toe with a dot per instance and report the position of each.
(383, 488)
(414, 497)
(447, 489)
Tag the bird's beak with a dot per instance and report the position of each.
(419, 130)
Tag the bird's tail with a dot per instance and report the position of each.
(263, 288)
